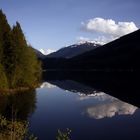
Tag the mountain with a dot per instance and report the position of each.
(47, 51)
(39, 54)
(67, 52)
(121, 54)
(73, 50)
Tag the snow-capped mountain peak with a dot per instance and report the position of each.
(96, 43)
(46, 52)
(74, 50)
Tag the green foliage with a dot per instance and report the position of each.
(26, 67)
(3, 78)
(14, 130)
(32, 137)
(19, 66)
(63, 135)
(15, 109)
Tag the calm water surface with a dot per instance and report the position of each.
(90, 114)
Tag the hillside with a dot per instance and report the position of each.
(73, 50)
(121, 54)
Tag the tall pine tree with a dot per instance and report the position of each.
(19, 66)
(27, 67)
(4, 43)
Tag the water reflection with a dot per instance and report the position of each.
(105, 106)
(111, 109)
(98, 95)
(123, 85)
(70, 85)
(47, 85)
(15, 109)
(22, 103)
(60, 104)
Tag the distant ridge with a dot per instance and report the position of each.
(121, 54)
(39, 54)
(73, 50)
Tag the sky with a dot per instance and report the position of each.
(52, 24)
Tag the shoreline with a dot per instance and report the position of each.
(15, 90)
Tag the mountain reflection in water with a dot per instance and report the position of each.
(107, 106)
(94, 107)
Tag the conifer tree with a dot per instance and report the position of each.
(3, 79)
(27, 67)
(18, 49)
(19, 66)
(4, 42)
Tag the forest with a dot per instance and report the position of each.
(19, 66)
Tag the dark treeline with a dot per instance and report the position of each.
(119, 55)
(19, 66)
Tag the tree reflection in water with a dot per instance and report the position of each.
(14, 112)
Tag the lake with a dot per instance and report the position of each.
(89, 112)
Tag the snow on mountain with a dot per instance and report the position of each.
(46, 52)
(74, 50)
(95, 42)
(47, 85)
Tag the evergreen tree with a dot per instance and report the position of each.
(4, 43)
(19, 66)
(4, 35)
(27, 70)
(3, 79)
(18, 49)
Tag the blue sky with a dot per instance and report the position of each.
(52, 24)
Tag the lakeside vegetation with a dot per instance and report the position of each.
(14, 130)
(19, 66)
(15, 109)
(14, 112)
(18, 130)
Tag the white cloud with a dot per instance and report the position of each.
(109, 27)
(46, 52)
